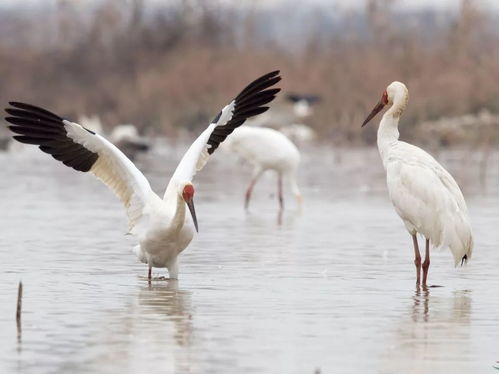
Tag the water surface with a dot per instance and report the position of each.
(331, 289)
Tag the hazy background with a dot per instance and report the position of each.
(324, 289)
(170, 65)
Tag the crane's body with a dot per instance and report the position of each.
(163, 233)
(267, 149)
(428, 199)
(162, 226)
(423, 193)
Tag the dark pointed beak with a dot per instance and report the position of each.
(379, 106)
(190, 204)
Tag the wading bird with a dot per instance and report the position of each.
(267, 149)
(302, 104)
(161, 225)
(126, 137)
(423, 193)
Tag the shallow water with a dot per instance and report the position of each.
(330, 290)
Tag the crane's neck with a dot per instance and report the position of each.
(388, 133)
(178, 219)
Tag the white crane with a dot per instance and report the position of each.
(267, 149)
(126, 137)
(161, 225)
(302, 103)
(298, 133)
(423, 193)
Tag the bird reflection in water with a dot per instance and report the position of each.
(458, 312)
(433, 317)
(421, 304)
(166, 299)
(155, 332)
(281, 218)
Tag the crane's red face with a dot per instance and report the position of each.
(188, 196)
(188, 193)
(379, 106)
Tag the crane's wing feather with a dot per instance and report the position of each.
(428, 199)
(82, 150)
(250, 102)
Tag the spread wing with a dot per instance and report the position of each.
(82, 150)
(250, 102)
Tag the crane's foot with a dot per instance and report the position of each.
(163, 278)
(158, 279)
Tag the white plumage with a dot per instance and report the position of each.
(423, 193)
(125, 136)
(162, 226)
(267, 149)
(299, 133)
(115, 170)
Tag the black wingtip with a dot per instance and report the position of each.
(259, 84)
(272, 74)
(38, 126)
(249, 102)
(34, 109)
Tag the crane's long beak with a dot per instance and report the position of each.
(190, 204)
(379, 106)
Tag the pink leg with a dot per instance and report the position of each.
(426, 263)
(256, 175)
(248, 193)
(279, 192)
(417, 259)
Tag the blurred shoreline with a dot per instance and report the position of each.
(169, 68)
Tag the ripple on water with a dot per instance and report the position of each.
(329, 288)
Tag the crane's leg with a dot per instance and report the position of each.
(426, 263)
(279, 192)
(149, 274)
(417, 259)
(256, 175)
(173, 269)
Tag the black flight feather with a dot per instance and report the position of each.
(40, 127)
(248, 103)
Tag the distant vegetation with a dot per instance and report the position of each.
(171, 67)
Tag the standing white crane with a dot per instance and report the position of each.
(267, 149)
(161, 225)
(423, 193)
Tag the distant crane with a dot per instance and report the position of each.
(302, 103)
(267, 149)
(127, 138)
(161, 225)
(299, 133)
(423, 193)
